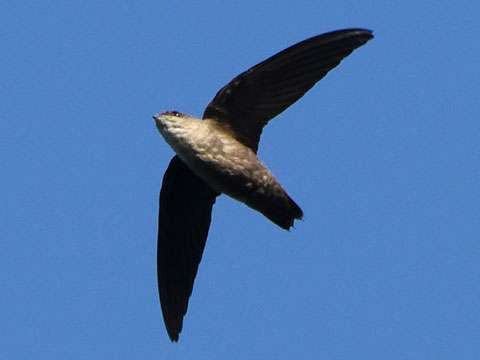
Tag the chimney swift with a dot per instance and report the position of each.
(219, 155)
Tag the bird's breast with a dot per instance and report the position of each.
(224, 163)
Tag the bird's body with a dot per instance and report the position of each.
(218, 154)
(227, 166)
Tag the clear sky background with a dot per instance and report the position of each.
(383, 155)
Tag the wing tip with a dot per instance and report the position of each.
(173, 337)
(362, 34)
(367, 34)
(352, 31)
(174, 328)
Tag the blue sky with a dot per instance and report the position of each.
(382, 155)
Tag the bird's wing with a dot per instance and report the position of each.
(185, 211)
(255, 96)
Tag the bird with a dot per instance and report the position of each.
(218, 155)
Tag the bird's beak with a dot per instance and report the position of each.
(157, 118)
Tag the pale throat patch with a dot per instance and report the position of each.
(184, 134)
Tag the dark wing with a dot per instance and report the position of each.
(186, 203)
(251, 99)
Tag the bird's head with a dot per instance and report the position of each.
(168, 116)
(175, 126)
(169, 120)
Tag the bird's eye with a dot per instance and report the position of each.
(173, 113)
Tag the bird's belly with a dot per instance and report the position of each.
(231, 168)
(219, 159)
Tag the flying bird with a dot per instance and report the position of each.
(219, 155)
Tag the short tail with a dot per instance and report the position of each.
(283, 212)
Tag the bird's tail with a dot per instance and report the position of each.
(281, 210)
(291, 212)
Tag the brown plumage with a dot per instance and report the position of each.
(218, 155)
